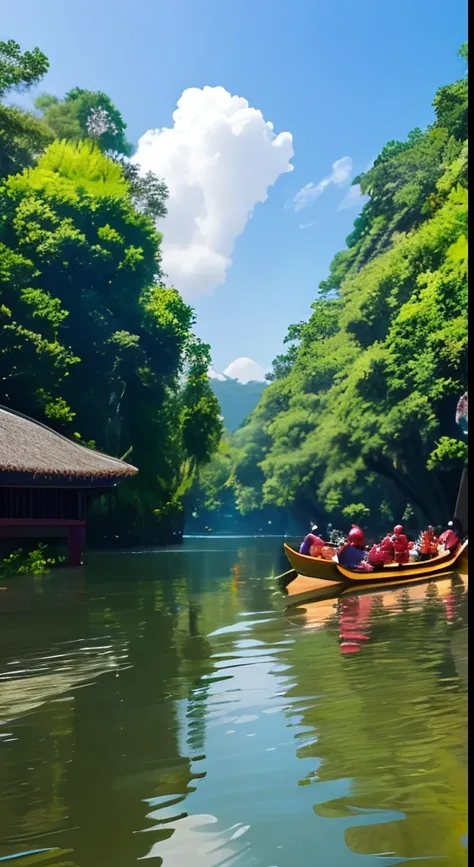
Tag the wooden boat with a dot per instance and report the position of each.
(330, 570)
(312, 567)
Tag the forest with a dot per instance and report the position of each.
(358, 422)
(93, 341)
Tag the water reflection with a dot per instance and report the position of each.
(394, 722)
(172, 710)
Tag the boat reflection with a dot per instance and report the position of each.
(353, 610)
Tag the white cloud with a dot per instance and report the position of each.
(245, 370)
(353, 199)
(340, 174)
(213, 374)
(218, 160)
(307, 225)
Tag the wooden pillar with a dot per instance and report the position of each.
(76, 544)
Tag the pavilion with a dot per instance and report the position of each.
(47, 481)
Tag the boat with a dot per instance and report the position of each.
(331, 570)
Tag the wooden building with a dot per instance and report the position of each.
(46, 482)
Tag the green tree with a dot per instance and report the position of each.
(22, 135)
(360, 414)
(94, 344)
(20, 70)
(85, 114)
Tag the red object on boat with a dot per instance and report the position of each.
(428, 544)
(375, 556)
(400, 545)
(317, 544)
(356, 536)
(449, 540)
(387, 549)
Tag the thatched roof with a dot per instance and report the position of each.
(30, 448)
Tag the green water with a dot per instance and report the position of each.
(167, 706)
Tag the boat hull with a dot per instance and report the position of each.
(329, 570)
(312, 567)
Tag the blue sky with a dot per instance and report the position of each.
(342, 78)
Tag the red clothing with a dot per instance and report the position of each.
(428, 543)
(400, 545)
(387, 549)
(308, 542)
(449, 540)
(375, 556)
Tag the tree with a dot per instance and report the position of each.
(84, 114)
(147, 191)
(360, 413)
(94, 344)
(22, 136)
(20, 70)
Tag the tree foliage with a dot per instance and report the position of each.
(85, 114)
(359, 418)
(22, 135)
(19, 70)
(92, 342)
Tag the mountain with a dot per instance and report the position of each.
(236, 399)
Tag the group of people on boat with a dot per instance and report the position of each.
(394, 548)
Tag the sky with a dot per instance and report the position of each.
(258, 114)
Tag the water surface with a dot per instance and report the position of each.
(168, 706)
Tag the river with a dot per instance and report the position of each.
(169, 706)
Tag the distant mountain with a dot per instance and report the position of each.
(237, 399)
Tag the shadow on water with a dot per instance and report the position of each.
(165, 706)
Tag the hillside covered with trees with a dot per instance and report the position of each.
(93, 343)
(359, 417)
(236, 399)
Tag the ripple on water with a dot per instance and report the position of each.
(193, 724)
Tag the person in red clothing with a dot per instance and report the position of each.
(351, 554)
(387, 549)
(400, 545)
(452, 536)
(428, 545)
(311, 543)
(375, 557)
